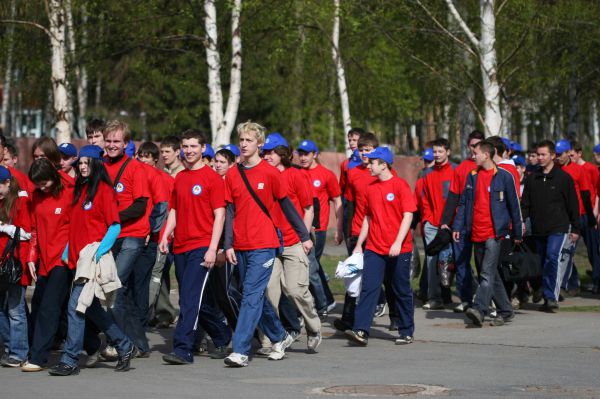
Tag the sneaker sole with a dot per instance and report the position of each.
(231, 363)
(355, 339)
(32, 370)
(476, 321)
(402, 342)
(76, 372)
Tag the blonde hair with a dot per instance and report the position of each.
(116, 126)
(252, 127)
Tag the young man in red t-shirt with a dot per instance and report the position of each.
(253, 239)
(133, 200)
(489, 211)
(354, 135)
(461, 248)
(196, 218)
(386, 229)
(436, 186)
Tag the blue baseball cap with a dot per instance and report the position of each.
(562, 146)
(233, 148)
(506, 143)
(91, 151)
(382, 153)
(307, 146)
(130, 149)
(4, 173)
(355, 160)
(597, 149)
(68, 149)
(514, 146)
(208, 152)
(427, 154)
(275, 140)
(518, 160)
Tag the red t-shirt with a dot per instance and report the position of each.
(91, 220)
(169, 184)
(483, 226)
(67, 180)
(196, 194)
(24, 183)
(325, 188)
(581, 182)
(50, 217)
(156, 188)
(436, 186)
(252, 229)
(510, 168)
(457, 186)
(386, 203)
(593, 178)
(344, 174)
(359, 179)
(299, 192)
(20, 217)
(133, 184)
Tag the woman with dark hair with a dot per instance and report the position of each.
(45, 147)
(50, 214)
(94, 207)
(13, 318)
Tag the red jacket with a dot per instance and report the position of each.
(436, 186)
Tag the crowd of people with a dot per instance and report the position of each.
(245, 228)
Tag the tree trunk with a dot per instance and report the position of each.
(13, 102)
(506, 129)
(339, 69)
(10, 33)
(222, 124)
(80, 71)
(594, 123)
(58, 75)
(572, 127)
(525, 122)
(298, 74)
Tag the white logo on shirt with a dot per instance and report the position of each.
(390, 197)
(261, 186)
(87, 206)
(317, 183)
(23, 193)
(197, 189)
(58, 211)
(120, 187)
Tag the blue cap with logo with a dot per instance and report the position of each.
(307, 146)
(562, 146)
(518, 160)
(382, 153)
(208, 152)
(68, 149)
(91, 151)
(355, 160)
(427, 154)
(514, 146)
(506, 142)
(233, 148)
(4, 173)
(275, 140)
(597, 149)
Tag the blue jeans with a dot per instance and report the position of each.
(397, 269)
(125, 310)
(13, 322)
(434, 289)
(316, 286)
(464, 272)
(101, 318)
(487, 257)
(550, 249)
(255, 269)
(196, 304)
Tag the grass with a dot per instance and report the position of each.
(580, 309)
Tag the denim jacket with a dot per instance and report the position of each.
(504, 203)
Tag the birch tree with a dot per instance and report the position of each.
(81, 79)
(56, 16)
(8, 69)
(339, 68)
(222, 123)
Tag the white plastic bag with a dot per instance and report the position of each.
(351, 271)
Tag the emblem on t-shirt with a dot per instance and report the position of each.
(261, 186)
(58, 211)
(390, 197)
(87, 206)
(197, 189)
(120, 187)
(317, 183)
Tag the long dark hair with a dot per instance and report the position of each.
(285, 154)
(98, 174)
(10, 201)
(43, 170)
(49, 148)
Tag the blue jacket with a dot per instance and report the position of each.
(504, 203)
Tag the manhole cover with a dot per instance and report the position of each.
(374, 390)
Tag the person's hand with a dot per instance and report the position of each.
(209, 258)
(395, 249)
(147, 240)
(456, 236)
(221, 259)
(163, 246)
(307, 245)
(574, 237)
(31, 267)
(338, 237)
(230, 255)
(357, 249)
(517, 241)
(445, 226)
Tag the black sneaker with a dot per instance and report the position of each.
(173, 358)
(341, 325)
(497, 321)
(509, 318)
(218, 353)
(124, 362)
(63, 369)
(475, 316)
(358, 336)
(549, 306)
(405, 339)
(12, 362)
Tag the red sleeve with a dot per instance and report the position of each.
(427, 213)
(455, 184)
(140, 187)
(333, 187)
(228, 196)
(349, 193)
(303, 190)
(279, 190)
(217, 193)
(407, 200)
(109, 204)
(160, 193)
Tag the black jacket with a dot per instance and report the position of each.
(551, 202)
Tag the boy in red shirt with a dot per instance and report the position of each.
(488, 212)
(196, 217)
(386, 228)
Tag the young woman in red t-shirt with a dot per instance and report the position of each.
(13, 318)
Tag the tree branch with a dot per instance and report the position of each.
(462, 23)
(500, 7)
(29, 23)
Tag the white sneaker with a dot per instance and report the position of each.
(331, 306)
(313, 342)
(263, 352)
(461, 307)
(278, 349)
(236, 360)
(109, 353)
(30, 367)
